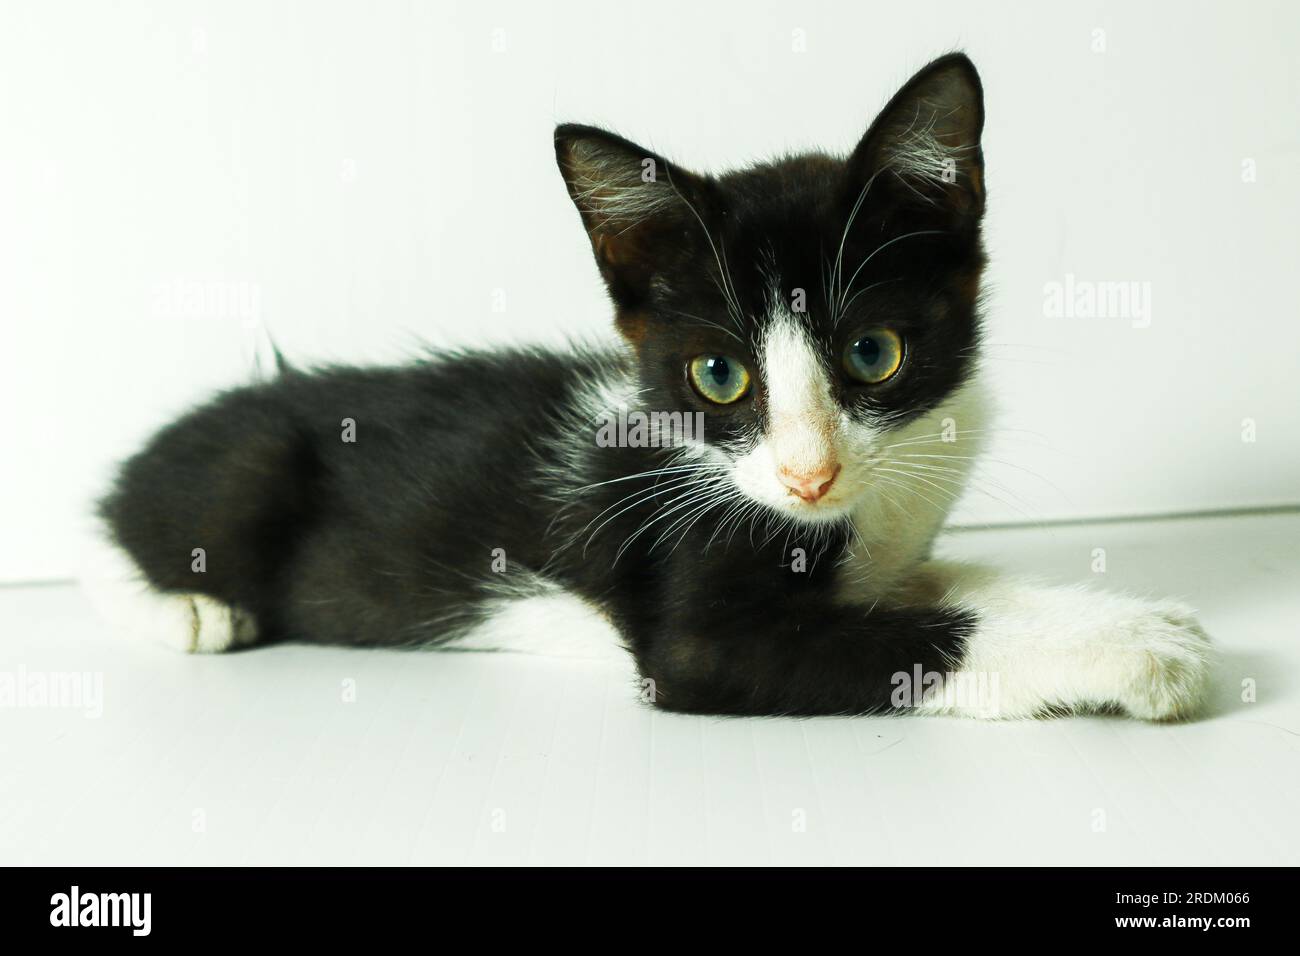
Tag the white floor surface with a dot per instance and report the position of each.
(453, 758)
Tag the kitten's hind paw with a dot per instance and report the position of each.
(132, 609)
(190, 623)
(216, 627)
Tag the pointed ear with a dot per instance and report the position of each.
(924, 147)
(638, 208)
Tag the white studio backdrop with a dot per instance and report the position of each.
(358, 178)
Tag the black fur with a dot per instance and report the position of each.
(389, 539)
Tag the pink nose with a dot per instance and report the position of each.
(809, 485)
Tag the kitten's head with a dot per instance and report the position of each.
(810, 307)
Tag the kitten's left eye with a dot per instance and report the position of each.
(874, 356)
(720, 379)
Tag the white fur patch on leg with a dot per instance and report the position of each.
(1045, 648)
(551, 622)
(193, 623)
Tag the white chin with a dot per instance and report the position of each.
(818, 512)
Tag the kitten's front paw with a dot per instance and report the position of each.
(1165, 666)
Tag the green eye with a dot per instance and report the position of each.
(720, 379)
(874, 356)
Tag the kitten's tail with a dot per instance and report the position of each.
(282, 366)
(265, 353)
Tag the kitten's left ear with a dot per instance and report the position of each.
(924, 147)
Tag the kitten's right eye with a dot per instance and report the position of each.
(719, 379)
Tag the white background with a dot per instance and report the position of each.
(371, 175)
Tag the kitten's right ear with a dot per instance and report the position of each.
(638, 208)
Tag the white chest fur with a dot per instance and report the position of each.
(919, 473)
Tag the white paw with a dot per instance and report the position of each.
(215, 627)
(1060, 649)
(194, 623)
(1163, 671)
(190, 623)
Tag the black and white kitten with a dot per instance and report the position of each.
(797, 401)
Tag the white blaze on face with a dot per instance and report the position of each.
(803, 415)
(794, 465)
